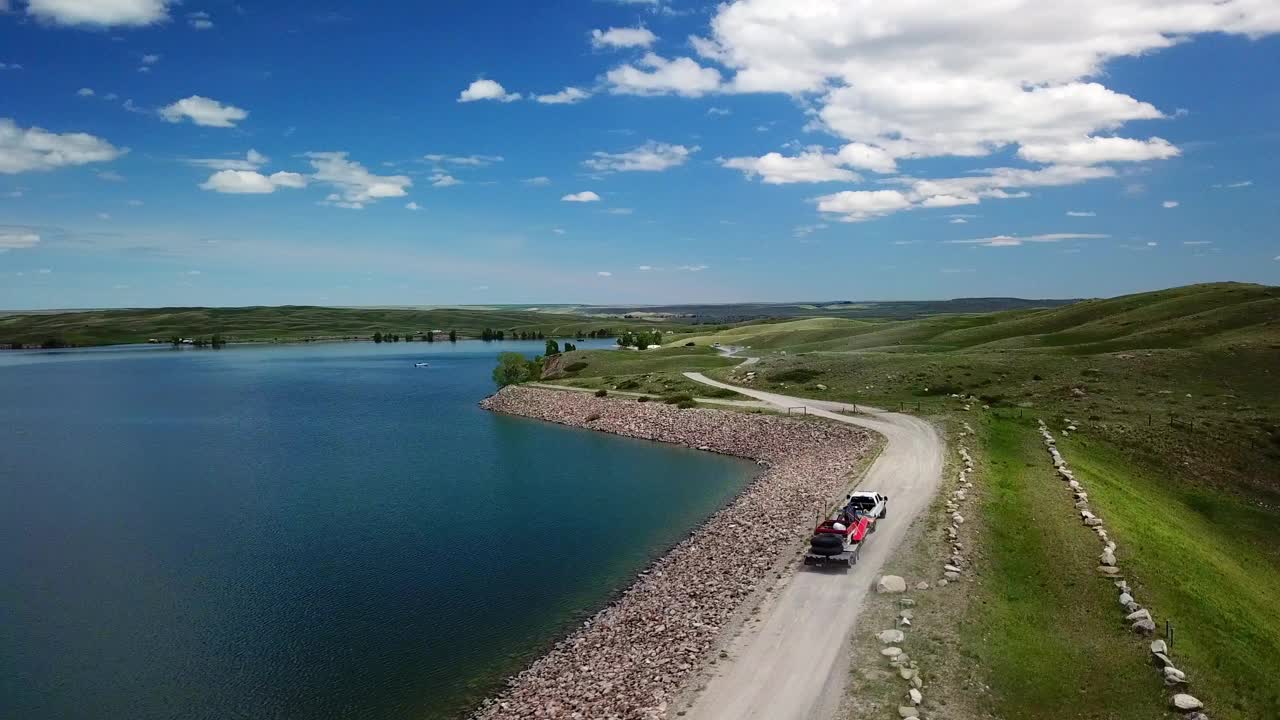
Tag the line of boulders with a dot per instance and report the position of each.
(907, 668)
(1139, 618)
(632, 658)
(956, 561)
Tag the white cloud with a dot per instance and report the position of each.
(251, 182)
(1014, 240)
(567, 96)
(44, 271)
(35, 148)
(655, 75)
(650, 157)
(1169, 204)
(585, 196)
(810, 166)
(692, 268)
(203, 111)
(354, 184)
(7, 66)
(537, 181)
(620, 211)
(1081, 213)
(958, 221)
(1152, 244)
(411, 205)
(110, 176)
(622, 38)
(85, 92)
(858, 205)
(252, 161)
(924, 79)
(135, 203)
(645, 268)
(150, 59)
(443, 179)
(1197, 242)
(288, 179)
(100, 13)
(558, 231)
(1238, 184)
(464, 160)
(814, 164)
(604, 273)
(104, 216)
(1095, 150)
(486, 90)
(1001, 183)
(719, 111)
(16, 239)
(200, 20)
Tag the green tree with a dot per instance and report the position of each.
(512, 369)
(377, 336)
(453, 336)
(430, 336)
(553, 348)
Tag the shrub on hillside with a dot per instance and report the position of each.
(643, 398)
(678, 398)
(686, 404)
(575, 366)
(601, 392)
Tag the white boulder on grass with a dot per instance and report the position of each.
(891, 584)
(1185, 702)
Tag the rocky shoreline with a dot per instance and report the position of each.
(630, 659)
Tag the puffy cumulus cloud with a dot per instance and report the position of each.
(412, 206)
(487, 90)
(252, 182)
(203, 111)
(539, 181)
(1001, 183)
(85, 92)
(814, 165)
(1169, 204)
(12, 238)
(622, 38)
(585, 196)
(443, 180)
(567, 96)
(100, 13)
(656, 75)
(27, 149)
(811, 166)
(354, 185)
(1015, 241)
(1096, 150)
(928, 79)
(650, 157)
(859, 205)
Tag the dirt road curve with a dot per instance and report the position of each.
(793, 664)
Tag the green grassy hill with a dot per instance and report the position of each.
(108, 327)
(1196, 316)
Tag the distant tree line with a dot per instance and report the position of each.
(428, 336)
(216, 342)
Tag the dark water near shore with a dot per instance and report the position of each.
(318, 531)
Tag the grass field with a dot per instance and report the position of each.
(289, 323)
(656, 372)
(1043, 627)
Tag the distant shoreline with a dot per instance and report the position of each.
(633, 657)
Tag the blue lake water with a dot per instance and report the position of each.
(310, 531)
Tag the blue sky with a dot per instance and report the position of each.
(211, 153)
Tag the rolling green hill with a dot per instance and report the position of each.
(110, 327)
(1195, 316)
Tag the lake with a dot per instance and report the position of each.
(305, 531)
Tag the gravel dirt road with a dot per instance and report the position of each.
(793, 664)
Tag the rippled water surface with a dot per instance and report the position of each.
(318, 531)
